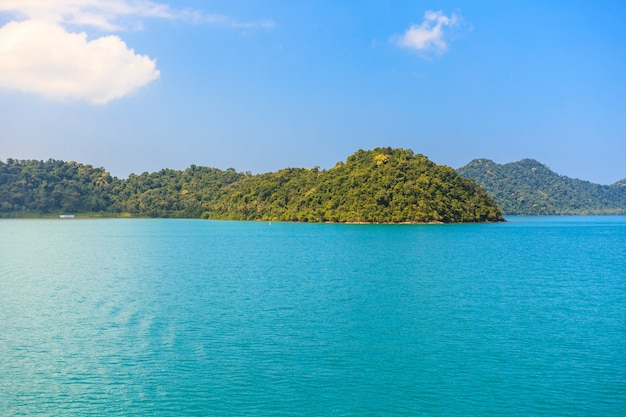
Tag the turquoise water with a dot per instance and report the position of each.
(188, 317)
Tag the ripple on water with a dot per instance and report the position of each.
(161, 317)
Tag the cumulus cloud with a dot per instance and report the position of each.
(429, 35)
(42, 52)
(41, 57)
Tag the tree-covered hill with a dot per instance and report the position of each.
(171, 193)
(53, 186)
(528, 187)
(383, 185)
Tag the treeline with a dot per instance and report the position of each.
(383, 185)
(54, 186)
(528, 187)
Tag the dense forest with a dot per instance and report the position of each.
(383, 185)
(528, 187)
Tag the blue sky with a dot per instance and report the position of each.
(137, 86)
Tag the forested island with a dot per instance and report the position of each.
(528, 187)
(383, 185)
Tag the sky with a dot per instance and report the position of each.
(260, 85)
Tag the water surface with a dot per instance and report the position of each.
(189, 317)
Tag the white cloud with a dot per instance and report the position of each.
(101, 14)
(39, 54)
(429, 35)
(41, 57)
(114, 15)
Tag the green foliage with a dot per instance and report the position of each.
(170, 193)
(53, 187)
(37, 187)
(528, 187)
(383, 185)
(380, 186)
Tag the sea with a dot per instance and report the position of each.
(169, 317)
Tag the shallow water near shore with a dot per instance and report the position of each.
(139, 317)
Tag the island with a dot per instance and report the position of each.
(382, 185)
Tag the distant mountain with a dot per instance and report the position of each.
(528, 187)
(383, 185)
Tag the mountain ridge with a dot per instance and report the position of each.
(529, 187)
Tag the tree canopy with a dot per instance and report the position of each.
(528, 187)
(383, 185)
(53, 186)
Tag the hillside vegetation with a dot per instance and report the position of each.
(528, 187)
(383, 185)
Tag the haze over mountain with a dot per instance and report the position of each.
(528, 187)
